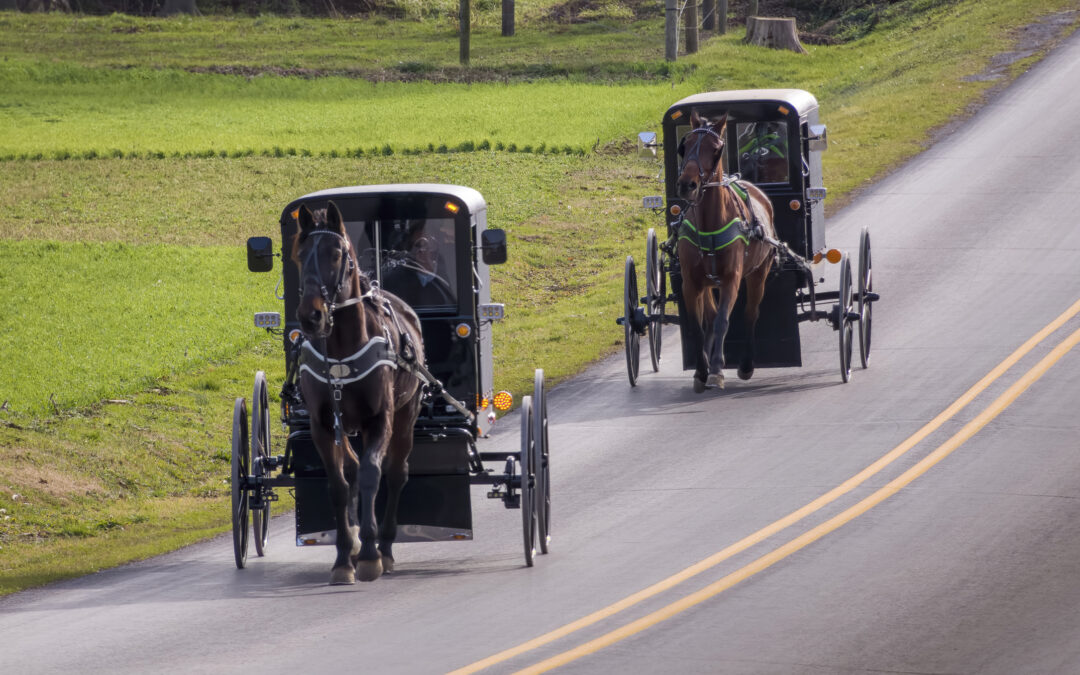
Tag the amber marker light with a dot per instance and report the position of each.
(795, 204)
(817, 257)
(294, 335)
(676, 115)
(676, 209)
(452, 207)
(833, 255)
(463, 330)
(504, 400)
(296, 215)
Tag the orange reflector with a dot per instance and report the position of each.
(294, 335)
(676, 115)
(783, 110)
(675, 209)
(833, 256)
(452, 207)
(296, 214)
(463, 330)
(504, 400)
(817, 257)
(794, 204)
(310, 542)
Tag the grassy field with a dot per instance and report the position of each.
(129, 191)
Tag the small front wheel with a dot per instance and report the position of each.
(844, 319)
(525, 464)
(866, 304)
(630, 308)
(239, 483)
(260, 460)
(654, 301)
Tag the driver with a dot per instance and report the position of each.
(417, 280)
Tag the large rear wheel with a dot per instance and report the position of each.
(528, 497)
(540, 461)
(260, 460)
(654, 301)
(866, 305)
(844, 320)
(239, 483)
(630, 306)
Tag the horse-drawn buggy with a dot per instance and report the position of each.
(388, 387)
(745, 240)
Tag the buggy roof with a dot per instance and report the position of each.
(802, 101)
(472, 199)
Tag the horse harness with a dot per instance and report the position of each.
(745, 227)
(378, 351)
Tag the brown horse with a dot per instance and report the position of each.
(723, 239)
(355, 379)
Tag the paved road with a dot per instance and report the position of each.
(787, 525)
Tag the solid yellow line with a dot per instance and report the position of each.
(788, 520)
(941, 452)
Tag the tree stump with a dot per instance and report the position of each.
(773, 32)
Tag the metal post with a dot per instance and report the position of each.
(691, 23)
(466, 20)
(671, 30)
(508, 18)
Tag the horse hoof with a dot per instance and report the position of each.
(387, 564)
(699, 386)
(369, 570)
(342, 576)
(746, 374)
(715, 380)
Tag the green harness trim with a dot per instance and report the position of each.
(710, 242)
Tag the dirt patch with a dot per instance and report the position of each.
(24, 476)
(1030, 40)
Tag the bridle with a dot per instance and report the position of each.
(695, 155)
(310, 266)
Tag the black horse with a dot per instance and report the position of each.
(356, 379)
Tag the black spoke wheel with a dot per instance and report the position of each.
(654, 293)
(540, 461)
(844, 321)
(528, 498)
(630, 303)
(260, 460)
(866, 306)
(239, 483)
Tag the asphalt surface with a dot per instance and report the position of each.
(969, 562)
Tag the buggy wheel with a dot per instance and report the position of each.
(239, 483)
(528, 498)
(843, 318)
(630, 305)
(866, 306)
(654, 312)
(540, 461)
(260, 460)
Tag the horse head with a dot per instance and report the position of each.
(699, 155)
(329, 273)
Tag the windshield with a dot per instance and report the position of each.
(413, 258)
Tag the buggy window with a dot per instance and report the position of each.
(763, 151)
(413, 258)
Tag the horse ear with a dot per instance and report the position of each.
(334, 221)
(305, 218)
(720, 125)
(696, 120)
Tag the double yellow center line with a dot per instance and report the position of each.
(970, 429)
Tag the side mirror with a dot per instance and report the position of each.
(493, 247)
(818, 140)
(647, 144)
(260, 254)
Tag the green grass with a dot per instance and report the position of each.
(84, 242)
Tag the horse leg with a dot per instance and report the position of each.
(340, 466)
(368, 562)
(397, 474)
(729, 289)
(755, 291)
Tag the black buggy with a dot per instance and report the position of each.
(774, 140)
(430, 245)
